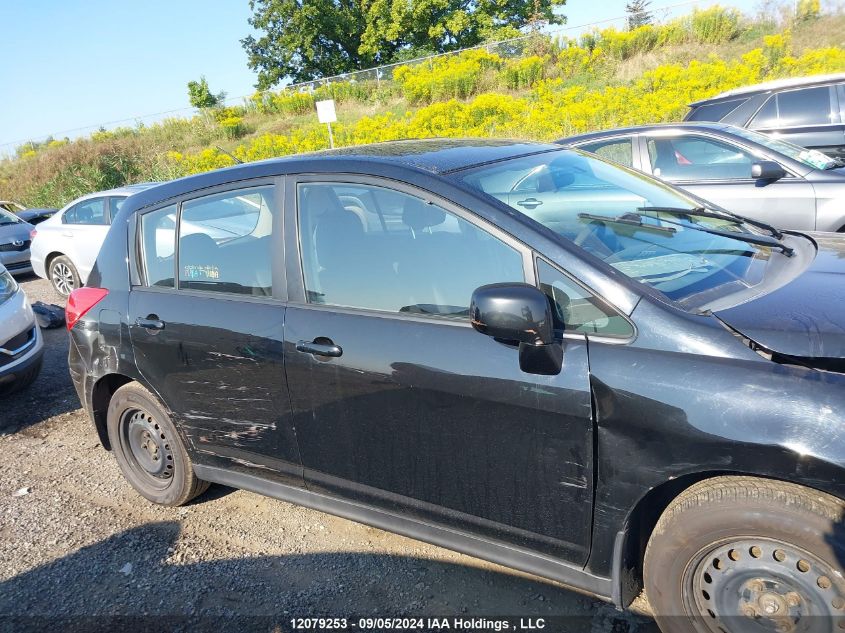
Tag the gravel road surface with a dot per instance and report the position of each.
(77, 543)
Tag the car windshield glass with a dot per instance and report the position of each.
(809, 157)
(7, 218)
(634, 223)
(8, 286)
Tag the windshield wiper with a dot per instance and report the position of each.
(749, 238)
(701, 212)
(631, 219)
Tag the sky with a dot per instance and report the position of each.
(69, 66)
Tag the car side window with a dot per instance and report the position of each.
(114, 206)
(715, 111)
(158, 245)
(619, 150)
(92, 212)
(225, 242)
(575, 309)
(375, 248)
(696, 158)
(808, 106)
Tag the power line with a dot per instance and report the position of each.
(348, 75)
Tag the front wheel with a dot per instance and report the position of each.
(148, 448)
(744, 555)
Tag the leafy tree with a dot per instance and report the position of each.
(307, 39)
(201, 96)
(638, 13)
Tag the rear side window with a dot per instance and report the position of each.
(619, 150)
(810, 106)
(224, 243)
(714, 111)
(379, 249)
(114, 206)
(92, 212)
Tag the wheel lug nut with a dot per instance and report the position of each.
(793, 599)
(749, 612)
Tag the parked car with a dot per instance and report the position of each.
(21, 344)
(33, 216)
(743, 171)
(65, 246)
(807, 111)
(14, 243)
(602, 386)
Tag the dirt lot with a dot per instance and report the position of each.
(77, 543)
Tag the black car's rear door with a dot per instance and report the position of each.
(397, 401)
(207, 325)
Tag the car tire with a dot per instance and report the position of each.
(149, 449)
(63, 275)
(742, 553)
(22, 381)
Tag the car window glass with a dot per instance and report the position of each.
(87, 212)
(715, 111)
(767, 116)
(696, 158)
(619, 150)
(158, 239)
(810, 106)
(575, 309)
(114, 206)
(374, 248)
(225, 242)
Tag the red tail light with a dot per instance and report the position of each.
(32, 234)
(80, 302)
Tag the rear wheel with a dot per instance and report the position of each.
(148, 448)
(63, 275)
(740, 554)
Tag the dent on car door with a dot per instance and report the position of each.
(209, 334)
(398, 402)
(719, 170)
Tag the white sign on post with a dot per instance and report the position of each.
(327, 115)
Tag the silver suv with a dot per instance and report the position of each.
(21, 343)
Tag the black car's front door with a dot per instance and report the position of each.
(207, 329)
(398, 402)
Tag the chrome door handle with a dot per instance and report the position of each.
(530, 203)
(152, 322)
(319, 349)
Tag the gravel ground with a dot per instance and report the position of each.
(79, 543)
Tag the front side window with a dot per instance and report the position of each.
(643, 228)
(92, 212)
(225, 242)
(375, 248)
(619, 150)
(688, 158)
(808, 106)
(575, 309)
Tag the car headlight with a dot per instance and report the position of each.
(8, 286)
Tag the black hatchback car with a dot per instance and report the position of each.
(806, 111)
(605, 387)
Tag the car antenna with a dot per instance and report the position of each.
(230, 155)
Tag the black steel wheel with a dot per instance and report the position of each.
(747, 555)
(148, 448)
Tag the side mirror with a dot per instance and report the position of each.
(767, 170)
(519, 313)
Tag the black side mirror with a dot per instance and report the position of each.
(519, 313)
(767, 170)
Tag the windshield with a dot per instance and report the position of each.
(7, 218)
(809, 157)
(8, 286)
(634, 223)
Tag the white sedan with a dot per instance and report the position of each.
(65, 247)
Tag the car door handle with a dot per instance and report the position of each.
(530, 203)
(318, 348)
(152, 322)
(67, 234)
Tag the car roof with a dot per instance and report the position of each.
(637, 129)
(435, 156)
(125, 190)
(777, 84)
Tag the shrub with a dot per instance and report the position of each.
(524, 73)
(447, 77)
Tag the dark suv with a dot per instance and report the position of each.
(603, 386)
(808, 111)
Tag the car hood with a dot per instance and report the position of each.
(803, 319)
(11, 232)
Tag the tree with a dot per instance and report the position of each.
(200, 95)
(306, 39)
(638, 13)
